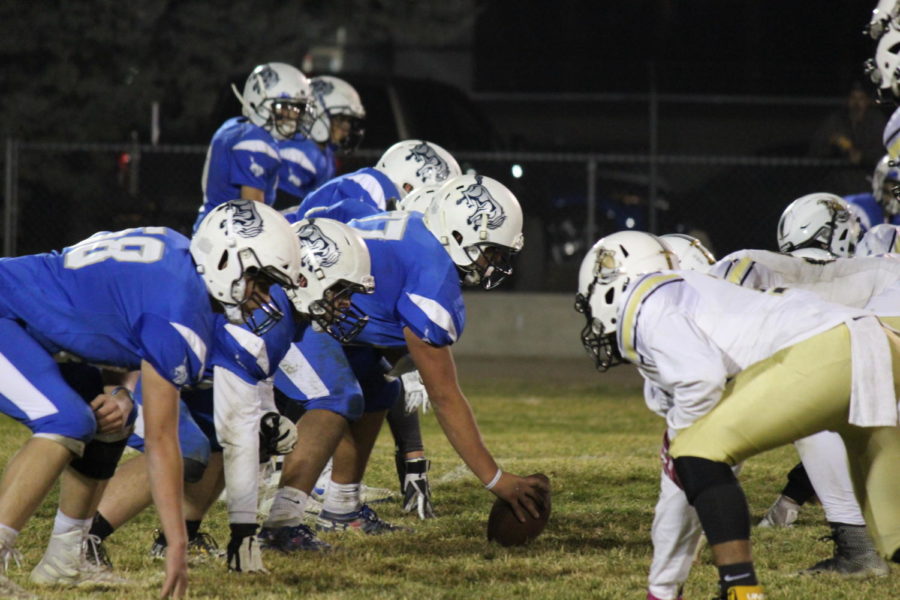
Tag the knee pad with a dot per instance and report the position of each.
(100, 458)
(193, 470)
(697, 474)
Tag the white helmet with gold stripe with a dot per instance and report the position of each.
(610, 265)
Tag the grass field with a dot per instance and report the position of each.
(591, 435)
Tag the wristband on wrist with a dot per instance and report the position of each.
(490, 484)
(122, 388)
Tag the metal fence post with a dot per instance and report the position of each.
(654, 151)
(11, 197)
(590, 227)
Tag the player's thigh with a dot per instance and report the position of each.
(798, 391)
(34, 392)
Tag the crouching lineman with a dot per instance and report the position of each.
(230, 413)
(471, 230)
(745, 371)
(134, 299)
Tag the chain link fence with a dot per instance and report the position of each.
(57, 194)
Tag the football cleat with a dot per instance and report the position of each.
(782, 513)
(365, 520)
(65, 563)
(374, 495)
(200, 547)
(744, 592)
(854, 554)
(291, 538)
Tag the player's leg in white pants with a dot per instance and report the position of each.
(676, 534)
(825, 460)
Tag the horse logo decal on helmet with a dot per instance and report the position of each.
(320, 245)
(321, 87)
(434, 169)
(267, 76)
(478, 198)
(244, 219)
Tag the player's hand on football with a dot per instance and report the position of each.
(176, 582)
(524, 494)
(112, 411)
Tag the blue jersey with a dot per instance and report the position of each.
(116, 299)
(870, 211)
(255, 357)
(416, 283)
(240, 154)
(304, 166)
(368, 186)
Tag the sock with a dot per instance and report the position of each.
(342, 498)
(736, 574)
(8, 536)
(287, 508)
(101, 527)
(64, 524)
(192, 528)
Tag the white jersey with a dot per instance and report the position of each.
(868, 282)
(689, 333)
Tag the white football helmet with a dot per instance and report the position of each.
(692, 255)
(419, 199)
(336, 98)
(884, 16)
(245, 239)
(479, 222)
(610, 265)
(881, 239)
(886, 185)
(884, 69)
(819, 226)
(413, 163)
(334, 265)
(277, 97)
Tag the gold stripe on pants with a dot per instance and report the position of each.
(798, 391)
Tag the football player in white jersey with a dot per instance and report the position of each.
(742, 371)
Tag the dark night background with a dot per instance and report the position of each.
(697, 114)
(88, 70)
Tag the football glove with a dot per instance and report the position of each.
(416, 491)
(277, 436)
(415, 395)
(244, 554)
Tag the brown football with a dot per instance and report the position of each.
(504, 528)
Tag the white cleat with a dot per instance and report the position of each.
(65, 563)
(782, 513)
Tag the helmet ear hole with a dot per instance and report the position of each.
(610, 295)
(457, 236)
(223, 260)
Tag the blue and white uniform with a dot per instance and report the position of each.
(367, 186)
(113, 300)
(416, 286)
(870, 211)
(304, 166)
(240, 154)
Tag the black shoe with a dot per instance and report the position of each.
(854, 554)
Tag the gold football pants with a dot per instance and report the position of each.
(798, 391)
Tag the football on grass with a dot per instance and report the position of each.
(505, 529)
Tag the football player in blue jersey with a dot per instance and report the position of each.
(309, 161)
(243, 160)
(403, 167)
(134, 299)
(225, 417)
(470, 233)
(403, 170)
(881, 205)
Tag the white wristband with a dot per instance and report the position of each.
(490, 484)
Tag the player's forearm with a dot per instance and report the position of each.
(458, 422)
(165, 467)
